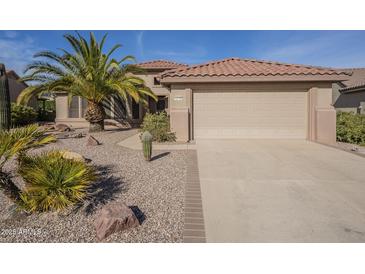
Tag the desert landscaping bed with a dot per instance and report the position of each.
(156, 188)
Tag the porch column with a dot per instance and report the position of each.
(180, 107)
(61, 106)
(80, 107)
(322, 116)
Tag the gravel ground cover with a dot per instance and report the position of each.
(156, 188)
(357, 149)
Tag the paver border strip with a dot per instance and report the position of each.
(194, 228)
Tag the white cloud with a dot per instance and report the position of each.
(16, 54)
(140, 42)
(195, 55)
(10, 34)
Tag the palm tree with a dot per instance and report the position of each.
(87, 72)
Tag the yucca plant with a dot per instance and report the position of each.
(88, 72)
(17, 142)
(54, 183)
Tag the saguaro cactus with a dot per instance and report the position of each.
(147, 145)
(5, 118)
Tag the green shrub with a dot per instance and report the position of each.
(22, 115)
(351, 128)
(158, 125)
(54, 183)
(48, 105)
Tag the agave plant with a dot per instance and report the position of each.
(17, 142)
(87, 72)
(54, 183)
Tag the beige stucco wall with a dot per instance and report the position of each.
(76, 120)
(157, 89)
(148, 77)
(180, 113)
(322, 126)
(321, 120)
(63, 113)
(62, 107)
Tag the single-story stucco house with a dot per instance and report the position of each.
(16, 87)
(349, 95)
(234, 98)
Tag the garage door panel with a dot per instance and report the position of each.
(250, 114)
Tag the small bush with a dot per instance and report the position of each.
(351, 128)
(158, 125)
(54, 183)
(48, 105)
(22, 115)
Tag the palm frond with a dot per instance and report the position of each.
(86, 71)
(20, 140)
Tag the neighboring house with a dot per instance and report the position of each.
(350, 95)
(16, 87)
(241, 98)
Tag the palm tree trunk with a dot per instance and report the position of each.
(95, 115)
(96, 126)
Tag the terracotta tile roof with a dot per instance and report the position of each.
(356, 81)
(247, 67)
(160, 64)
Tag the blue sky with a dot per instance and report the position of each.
(322, 48)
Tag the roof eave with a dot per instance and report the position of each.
(237, 79)
(354, 89)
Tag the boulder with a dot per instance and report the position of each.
(49, 126)
(114, 217)
(77, 135)
(92, 141)
(73, 156)
(62, 128)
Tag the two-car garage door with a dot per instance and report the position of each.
(249, 114)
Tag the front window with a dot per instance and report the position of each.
(77, 107)
(155, 81)
(73, 110)
(161, 104)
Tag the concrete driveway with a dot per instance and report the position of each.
(281, 191)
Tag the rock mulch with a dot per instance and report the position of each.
(155, 188)
(356, 149)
